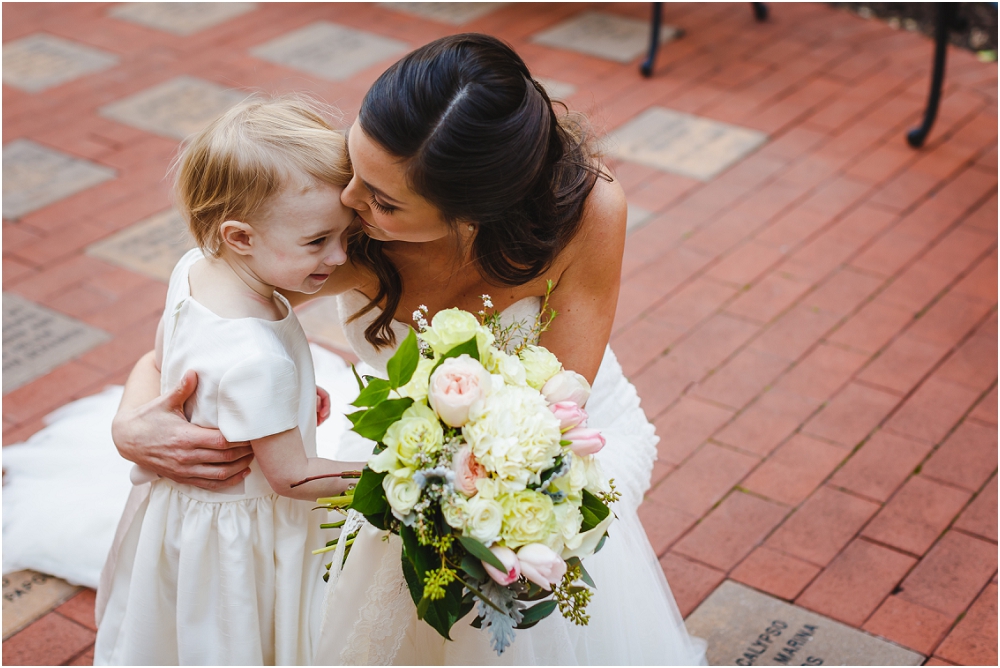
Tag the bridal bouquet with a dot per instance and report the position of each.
(485, 467)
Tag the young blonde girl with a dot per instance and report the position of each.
(227, 577)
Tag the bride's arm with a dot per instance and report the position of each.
(586, 295)
(151, 430)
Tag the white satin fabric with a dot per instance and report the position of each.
(370, 618)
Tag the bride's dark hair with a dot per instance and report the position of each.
(483, 144)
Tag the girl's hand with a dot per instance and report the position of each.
(157, 436)
(322, 405)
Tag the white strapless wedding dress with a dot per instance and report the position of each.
(64, 491)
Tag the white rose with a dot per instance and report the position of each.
(567, 386)
(402, 493)
(484, 519)
(455, 385)
(452, 327)
(416, 389)
(455, 512)
(508, 367)
(539, 365)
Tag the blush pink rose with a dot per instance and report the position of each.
(467, 471)
(569, 415)
(454, 386)
(510, 562)
(584, 441)
(567, 386)
(541, 565)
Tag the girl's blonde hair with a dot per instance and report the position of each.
(229, 170)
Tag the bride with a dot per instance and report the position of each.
(466, 183)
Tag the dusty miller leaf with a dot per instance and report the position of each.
(501, 626)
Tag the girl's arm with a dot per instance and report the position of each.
(151, 431)
(282, 459)
(586, 295)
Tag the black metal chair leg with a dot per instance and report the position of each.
(654, 44)
(946, 16)
(759, 11)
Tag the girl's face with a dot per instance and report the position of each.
(299, 237)
(380, 195)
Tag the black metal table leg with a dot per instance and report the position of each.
(946, 16)
(654, 44)
(759, 11)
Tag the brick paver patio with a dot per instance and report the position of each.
(813, 329)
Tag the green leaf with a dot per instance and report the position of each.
(584, 575)
(403, 363)
(470, 348)
(361, 384)
(356, 416)
(374, 423)
(376, 392)
(600, 543)
(474, 567)
(481, 552)
(593, 510)
(536, 613)
(369, 496)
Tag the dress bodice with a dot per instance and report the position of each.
(351, 302)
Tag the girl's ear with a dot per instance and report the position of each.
(237, 236)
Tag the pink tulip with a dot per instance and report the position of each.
(584, 441)
(569, 414)
(510, 562)
(567, 386)
(541, 565)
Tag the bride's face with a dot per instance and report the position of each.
(380, 195)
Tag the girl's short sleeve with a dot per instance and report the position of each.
(258, 397)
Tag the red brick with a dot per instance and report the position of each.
(690, 582)
(821, 527)
(881, 163)
(52, 640)
(937, 661)
(57, 278)
(952, 574)
(916, 515)
(901, 366)
(980, 517)
(852, 414)
(986, 409)
(794, 470)
(703, 479)
(932, 410)
(746, 263)
(981, 282)
(973, 641)
(715, 340)
(908, 624)
(843, 292)
(85, 659)
(768, 421)
(881, 465)
(15, 269)
(775, 573)
(741, 378)
(686, 426)
(663, 524)
(767, 298)
(731, 530)
(856, 582)
(966, 459)
(973, 364)
(822, 372)
(642, 342)
(889, 253)
(916, 287)
(664, 381)
(950, 319)
(80, 609)
(49, 392)
(795, 332)
(692, 304)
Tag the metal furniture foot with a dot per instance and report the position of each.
(946, 16)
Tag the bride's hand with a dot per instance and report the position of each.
(322, 405)
(157, 436)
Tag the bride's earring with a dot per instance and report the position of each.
(472, 228)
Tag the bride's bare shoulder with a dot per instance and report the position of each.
(604, 214)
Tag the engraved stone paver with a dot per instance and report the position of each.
(608, 36)
(176, 108)
(688, 145)
(557, 90)
(37, 340)
(35, 176)
(41, 61)
(28, 595)
(330, 51)
(637, 217)
(744, 627)
(151, 247)
(454, 13)
(180, 18)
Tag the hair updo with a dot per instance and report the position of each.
(482, 143)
